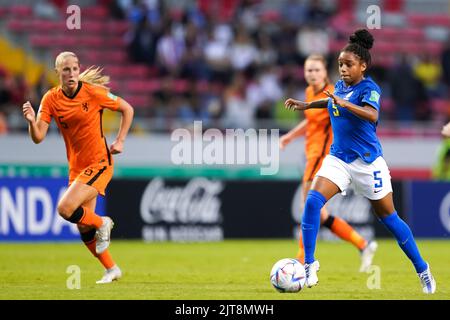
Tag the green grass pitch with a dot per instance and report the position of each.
(228, 270)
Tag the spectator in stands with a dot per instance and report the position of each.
(142, 42)
(316, 14)
(169, 51)
(243, 52)
(239, 113)
(294, 12)
(193, 65)
(312, 40)
(46, 10)
(403, 85)
(428, 71)
(267, 55)
(216, 54)
(191, 109)
(117, 8)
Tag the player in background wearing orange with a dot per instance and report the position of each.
(316, 128)
(76, 105)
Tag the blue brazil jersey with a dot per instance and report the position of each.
(354, 137)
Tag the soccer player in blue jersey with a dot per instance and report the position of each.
(355, 157)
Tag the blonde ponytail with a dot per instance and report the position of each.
(92, 75)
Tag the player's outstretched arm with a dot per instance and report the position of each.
(366, 112)
(296, 132)
(125, 123)
(293, 104)
(36, 127)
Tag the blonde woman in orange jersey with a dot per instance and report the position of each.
(318, 137)
(77, 105)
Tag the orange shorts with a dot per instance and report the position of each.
(97, 176)
(312, 166)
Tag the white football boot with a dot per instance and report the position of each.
(110, 275)
(427, 281)
(367, 256)
(103, 235)
(311, 273)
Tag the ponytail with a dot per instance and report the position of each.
(93, 75)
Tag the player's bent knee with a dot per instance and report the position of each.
(315, 201)
(64, 210)
(69, 214)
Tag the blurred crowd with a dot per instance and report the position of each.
(240, 63)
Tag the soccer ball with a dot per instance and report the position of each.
(288, 275)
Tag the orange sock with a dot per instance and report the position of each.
(90, 218)
(344, 231)
(301, 251)
(104, 257)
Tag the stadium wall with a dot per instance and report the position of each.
(207, 209)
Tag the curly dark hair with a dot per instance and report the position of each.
(359, 43)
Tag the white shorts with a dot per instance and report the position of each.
(371, 180)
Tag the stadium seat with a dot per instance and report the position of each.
(116, 27)
(95, 12)
(41, 41)
(17, 26)
(20, 11)
(138, 101)
(142, 86)
(92, 41)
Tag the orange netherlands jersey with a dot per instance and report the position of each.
(79, 119)
(318, 130)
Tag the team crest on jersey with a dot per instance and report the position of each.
(348, 95)
(374, 96)
(111, 96)
(84, 106)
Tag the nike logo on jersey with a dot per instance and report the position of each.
(348, 95)
(376, 191)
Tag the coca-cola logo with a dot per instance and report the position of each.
(195, 202)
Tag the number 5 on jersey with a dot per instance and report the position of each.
(335, 110)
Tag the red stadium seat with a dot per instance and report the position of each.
(92, 27)
(421, 20)
(138, 71)
(117, 27)
(21, 11)
(41, 41)
(18, 26)
(94, 12)
(180, 85)
(3, 11)
(142, 86)
(92, 41)
(440, 106)
(138, 101)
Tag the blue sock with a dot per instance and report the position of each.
(311, 223)
(405, 239)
